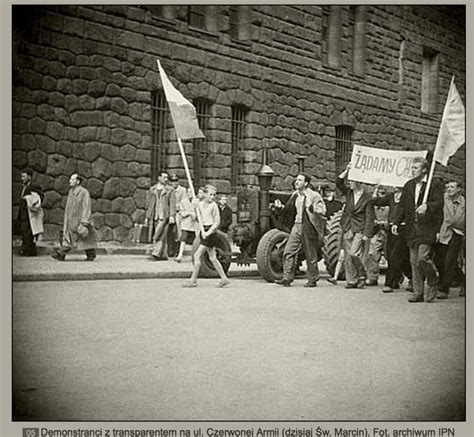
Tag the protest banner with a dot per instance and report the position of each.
(382, 166)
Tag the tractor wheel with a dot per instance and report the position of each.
(270, 254)
(332, 244)
(224, 255)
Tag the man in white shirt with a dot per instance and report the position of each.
(304, 212)
(423, 221)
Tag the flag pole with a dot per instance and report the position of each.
(433, 163)
(190, 181)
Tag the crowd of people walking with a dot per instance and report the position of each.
(422, 241)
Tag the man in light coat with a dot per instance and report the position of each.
(450, 237)
(304, 213)
(78, 230)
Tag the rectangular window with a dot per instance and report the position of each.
(343, 147)
(358, 39)
(239, 22)
(237, 146)
(334, 37)
(200, 155)
(159, 120)
(429, 81)
(197, 16)
(162, 11)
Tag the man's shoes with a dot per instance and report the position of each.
(442, 295)
(415, 299)
(223, 282)
(361, 283)
(431, 294)
(91, 257)
(284, 282)
(371, 282)
(410, 287)
(387, 289)
(310, 284)
(350, 285)
(56, 255)
(189, 284)
(332, 281)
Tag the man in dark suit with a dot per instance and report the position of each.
(423, 221)
(22, 223)
(304, 214)
(357, 224)
(225, 212)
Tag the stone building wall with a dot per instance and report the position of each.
(83, 77)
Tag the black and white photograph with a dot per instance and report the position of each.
(239, 213)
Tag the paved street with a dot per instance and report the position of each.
(151, 350)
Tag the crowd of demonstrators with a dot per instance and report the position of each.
(357, 224)
(422, 224)
(450, 238)
(304, 212)
(396, 249)
(29, 220)
(210, 220)
(78, 228)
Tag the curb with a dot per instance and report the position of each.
(99, 276)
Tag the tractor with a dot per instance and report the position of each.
(260, 234)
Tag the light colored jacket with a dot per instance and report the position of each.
(78, 210)
(35, 212)
(452, 220)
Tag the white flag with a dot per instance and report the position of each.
(451, 134)
(183, 112)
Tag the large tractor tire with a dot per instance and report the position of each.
(332, 244)
(270, 254)
(224, 255)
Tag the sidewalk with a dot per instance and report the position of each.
(112, 262)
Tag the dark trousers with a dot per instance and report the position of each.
(446, 260)
(297, 240)
(423, 267)
(398, 259)
(28, 246)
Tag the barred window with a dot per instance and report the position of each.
(429, 81)
(239, 114)
(159, 120)
(200, 147)
(343, 147)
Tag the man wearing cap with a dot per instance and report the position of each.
(357, 224)
(78, 230)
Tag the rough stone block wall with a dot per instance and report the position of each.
(83, 76)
